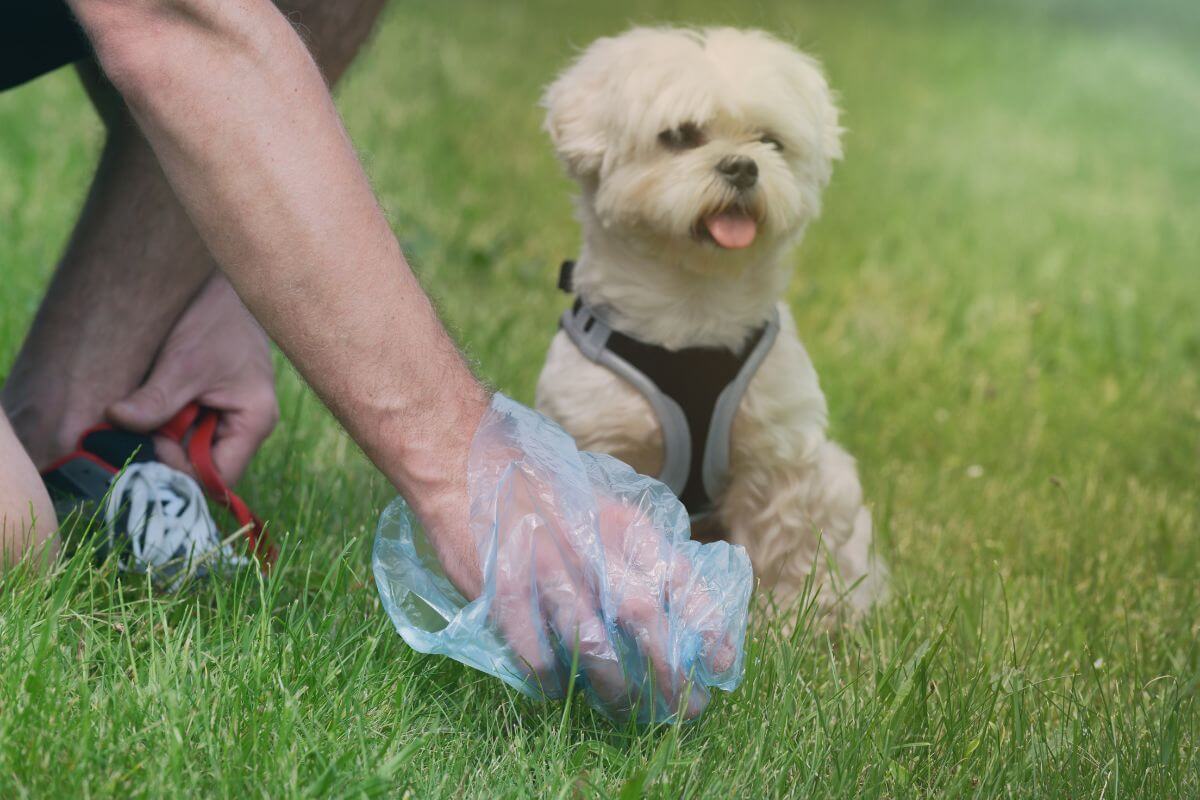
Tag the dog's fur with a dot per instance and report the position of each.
(641, 121)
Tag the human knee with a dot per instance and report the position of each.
(121, 36)
(27, 517)
(145, 47)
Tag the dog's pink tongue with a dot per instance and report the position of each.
(732, 231)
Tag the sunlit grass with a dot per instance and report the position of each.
(1001, 301)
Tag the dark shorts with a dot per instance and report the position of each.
(37, 36)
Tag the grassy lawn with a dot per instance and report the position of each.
(1001, 299)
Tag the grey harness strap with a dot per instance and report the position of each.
(695, 393)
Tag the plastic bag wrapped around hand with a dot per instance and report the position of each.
(586, 565)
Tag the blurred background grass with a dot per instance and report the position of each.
(1001, 299)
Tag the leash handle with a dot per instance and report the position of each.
(202, 423)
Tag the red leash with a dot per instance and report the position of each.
(202, 423)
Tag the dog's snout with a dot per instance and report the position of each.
(741, 171)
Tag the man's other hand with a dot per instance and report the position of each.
(219, 357)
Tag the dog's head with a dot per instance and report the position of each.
(712, 146)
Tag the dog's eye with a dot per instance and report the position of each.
(686, 137)
(771, 140)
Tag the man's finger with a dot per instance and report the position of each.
(584, 639)
(153, 403)
(524, 632)
(691, 599)
(170, 453)
(645, 622)
(239, 436)
(514, 609)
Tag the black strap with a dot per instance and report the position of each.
(693, 377)
(566, 277)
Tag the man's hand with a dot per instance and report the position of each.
(646, 582)
(218, 356)
(588, 561)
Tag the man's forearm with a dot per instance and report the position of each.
(239, 118)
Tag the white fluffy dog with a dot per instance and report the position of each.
(701, 156)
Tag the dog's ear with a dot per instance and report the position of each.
(807, 79)
(823, 103)
(573, 120)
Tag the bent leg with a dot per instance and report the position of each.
(131, 266)
(27, 518)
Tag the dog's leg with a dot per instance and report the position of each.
(806, 525)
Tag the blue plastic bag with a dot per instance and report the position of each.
(588, 570)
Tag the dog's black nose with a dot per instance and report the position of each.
(741, 171)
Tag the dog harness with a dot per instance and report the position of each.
(694, 391)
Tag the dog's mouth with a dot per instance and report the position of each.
(732, 228)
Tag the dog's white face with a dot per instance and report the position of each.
(709, 148)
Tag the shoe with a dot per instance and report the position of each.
(154, 520)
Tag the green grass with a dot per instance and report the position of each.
(1004, 285)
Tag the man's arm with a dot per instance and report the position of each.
(240, 120)
(133, 264)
